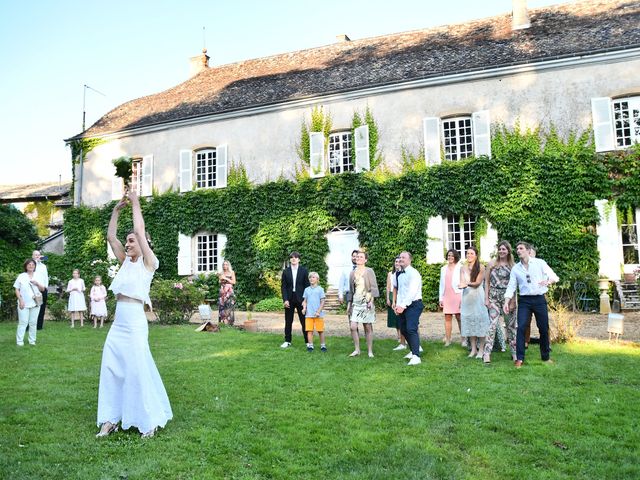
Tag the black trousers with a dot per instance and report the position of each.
(409, 321)
(536, 304)
(288, 319)
(42, 309)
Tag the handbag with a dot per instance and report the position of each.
(37, 296)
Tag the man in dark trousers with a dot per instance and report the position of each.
(42, 275)
(295, 278)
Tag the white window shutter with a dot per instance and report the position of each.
(316, 155)
(431, 128)
(221, 166)
(603, 124)
(117, 188)
(481, 133)
(363, 161)
(488, 243)
(185, 263)
(435, 240)
(609, 241)
(222, 244)
(147, 176)
(186, 175)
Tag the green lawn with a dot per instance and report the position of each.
(244, 408)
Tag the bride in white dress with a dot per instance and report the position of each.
(131, 390)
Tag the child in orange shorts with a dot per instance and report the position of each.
(312, 306)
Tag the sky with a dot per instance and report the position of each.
(125, 50)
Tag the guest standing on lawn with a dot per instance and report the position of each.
(131, 390)
(474, 317)
(295, 278)
(531, 277)
(98, 297)
(363, 288)
(496, 281)
(42, 275)
(409, 306)
(226, 298)
(450, 294)
(77, 304)
(392, 318)
(312, 306)
(27, 287)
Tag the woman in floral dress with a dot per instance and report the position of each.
(226, 299)
(496, 282)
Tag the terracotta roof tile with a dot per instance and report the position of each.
(558, 31)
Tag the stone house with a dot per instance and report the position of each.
(574, 66)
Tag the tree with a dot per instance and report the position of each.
(17, 238)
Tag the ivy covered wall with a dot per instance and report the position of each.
(537, 189)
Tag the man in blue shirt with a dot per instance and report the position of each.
(531, 276)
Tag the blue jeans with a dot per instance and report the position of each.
(536, 304)
(408, 322)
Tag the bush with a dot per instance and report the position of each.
(8, 296)
(271, 304)
(174, 302)
(57, 308)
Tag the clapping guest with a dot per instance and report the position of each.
(474, 317)
(76, 305)
(363, 288)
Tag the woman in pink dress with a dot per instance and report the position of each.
(450, 294)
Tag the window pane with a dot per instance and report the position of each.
(340, 152)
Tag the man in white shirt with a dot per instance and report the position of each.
(42, 277)
(531, 276)
(408, 286)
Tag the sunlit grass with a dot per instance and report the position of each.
(244, 408)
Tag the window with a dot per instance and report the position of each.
(460, 236)
(207, 253)
(206, 168)
(458, 138)
(340, 152)
(626, 121)
(136, 175)
(629, 232)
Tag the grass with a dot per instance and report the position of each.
(245, 409)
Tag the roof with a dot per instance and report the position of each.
(35, 192)
(559, 31)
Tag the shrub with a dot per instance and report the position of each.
(563, 326)
(174, 302)
(8, 296)
(57, 308)
(271, 304)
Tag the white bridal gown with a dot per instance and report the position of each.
(131, 390)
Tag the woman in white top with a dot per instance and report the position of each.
(77, 305)
(131, 390)
(27, 287)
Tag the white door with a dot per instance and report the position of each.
(342, 241)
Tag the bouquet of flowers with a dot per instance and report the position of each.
(124, 169)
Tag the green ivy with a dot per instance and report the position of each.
(81, 146)
(536, 187)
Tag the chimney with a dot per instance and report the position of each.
(342, 38)
(198, 63)
(520, 19)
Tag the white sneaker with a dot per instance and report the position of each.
(409, 355)
(285, 345)
(421, 350)
(415, 361)
(400, 347)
